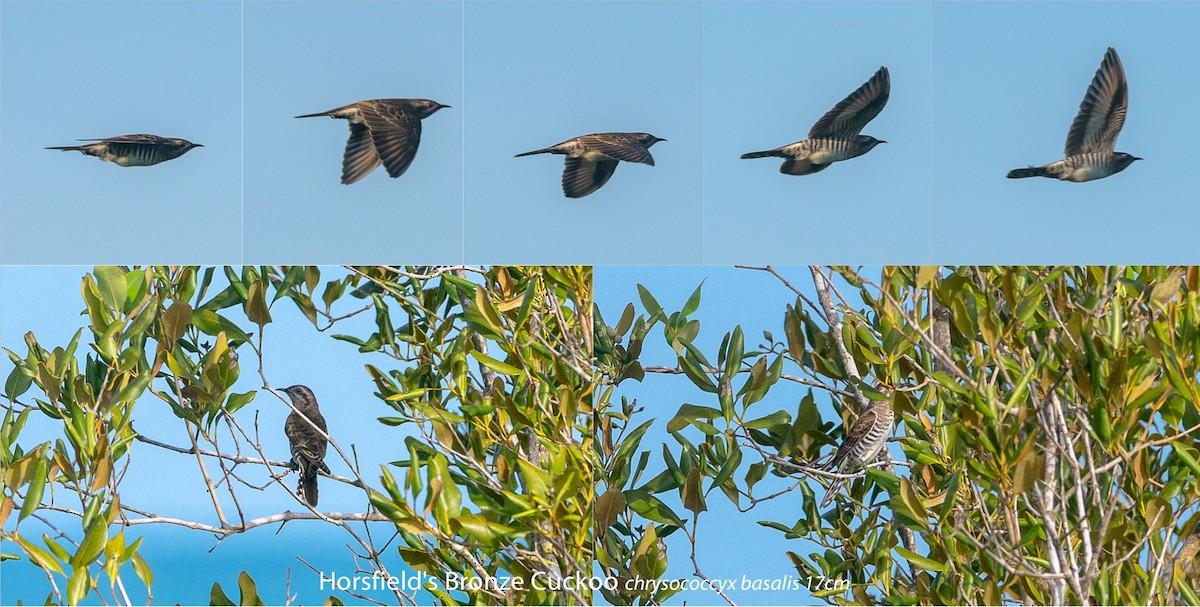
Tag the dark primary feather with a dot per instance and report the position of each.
(848, 117)
(800, 166)
(583, 176)
(360, 158)
(1102, 112)
(396, 133)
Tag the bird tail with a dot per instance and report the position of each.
(832, 492)
(308, 487)
(541, 151)
(762, 154)
(68, 148)
(317, 115)
(1028, 172)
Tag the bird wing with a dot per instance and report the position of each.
(849, 117)
(396, 134)
(618, 146)
(360, 157)
(583, 175)
(800, 166)
(307, 445)
(852, 438)
(1102, 112)
(133, 139)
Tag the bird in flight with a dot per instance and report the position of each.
(835, 137)
(1093, 134)
(133, 150)
(307, 444)
(861, 444)
(591, 159)
(382, 131)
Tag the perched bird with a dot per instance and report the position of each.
(861, 444)
(835, 137)
(591, 159)
(133, 150)
(308, 445)
(382, 131)
(1093, 134)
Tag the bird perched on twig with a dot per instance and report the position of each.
(592, 159)
(307, 443)
(861, 444)
(133, 150)
(835, 137)
(382, 131)
(1093, 134)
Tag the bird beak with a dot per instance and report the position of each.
(1136, 158)
(882, 141)
(442, 107)
(197, 145)
(660, 139)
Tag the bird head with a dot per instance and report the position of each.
(1124, 160)
(299, 394)
(424, 108)
(648, 140)
(185, 144)
(869, 141)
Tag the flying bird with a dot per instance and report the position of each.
(591, 159)
(382, 131)
(1093, 134)
(133, 150)
(835, 137)
(861, 444)
(308, 445)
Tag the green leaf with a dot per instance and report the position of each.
(777, 418)
(927, 564)
(211, 323)
(238, 400)
(18, 383)
(111, 282)
(217, 596)
(1182, 452)
(92, 545)
(648, 301)
(687, 413)
(40, 557)
(692, 493)
(693, 302)
(652, 508)
(737, 350)
(697, 375)
(78, 585)
(494, 365)
(608, 507)
(37, 485)
(256, 304)
(626, 320)
(143, 570)
(294, 276)
(248, 589)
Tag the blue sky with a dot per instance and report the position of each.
(539, 73)
(731, 544)
(46, 301)
(100, 69)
